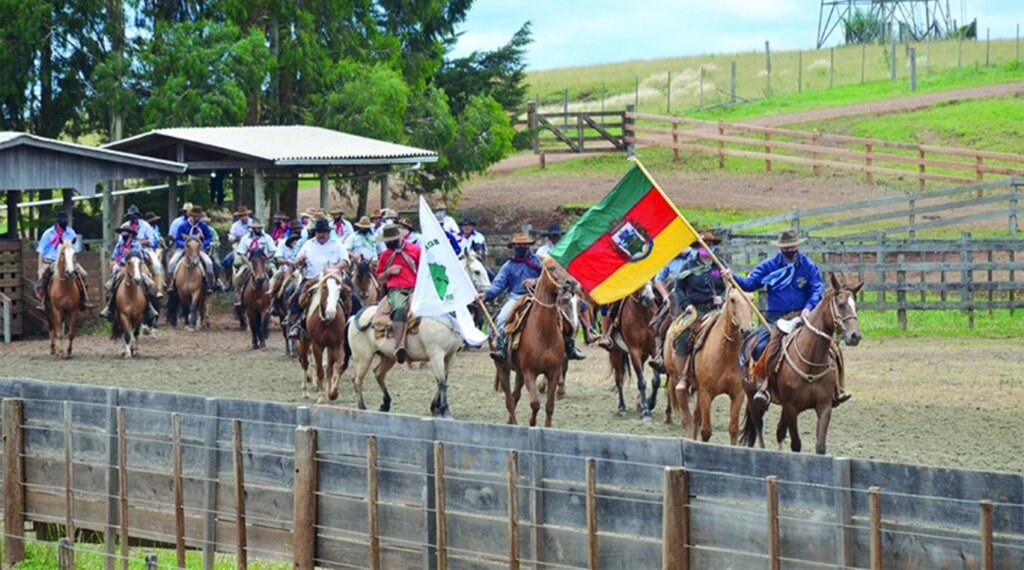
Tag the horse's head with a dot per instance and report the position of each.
(192, 247)
(333, 284)
(844, 309)
(66, 258)
(558, 276)
(133, 268)
(476, 270)
(258, 264)
(647, 296)
(738, 305)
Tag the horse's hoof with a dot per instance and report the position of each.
(321, 401)
(646, 418)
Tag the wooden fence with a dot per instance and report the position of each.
(575, 132)
(817, 150)
(10, 287)
(339, 488)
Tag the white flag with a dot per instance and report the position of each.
(442, 286)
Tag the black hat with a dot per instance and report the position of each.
(62, 216)
(554, 230)
(322, 225)
(133, 209)
(467, 221)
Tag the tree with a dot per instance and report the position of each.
(499, 73)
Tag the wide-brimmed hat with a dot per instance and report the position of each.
(521, 238)
(394, 232)
(187, 207)
(389, 213)
(195, 210)
(554, 230)
(133, 209)
(337, 211)
(322, 225)
(241, 211)
(364, 223)
(407, 224)
(467, 221)
(256, 223)
(151, 217)
(788, 238)
(708, 238)
(280, 216)
(62, 216)
(127, 227)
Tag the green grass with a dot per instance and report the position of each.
(43, 556)
(943, 323)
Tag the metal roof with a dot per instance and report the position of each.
(291, 146)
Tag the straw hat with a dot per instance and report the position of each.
(394, 232)
(241, 211)
(337, 211)
(364, 223)
(187, 207)
(255, 223)
(407, 224)
(280, 216)
(788, 238)
(521, 238)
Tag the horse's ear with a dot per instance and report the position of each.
(835, 282)
(856, 288)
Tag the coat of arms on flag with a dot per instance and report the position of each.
(632, 240)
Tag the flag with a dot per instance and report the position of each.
(442, 286)
(623, 241)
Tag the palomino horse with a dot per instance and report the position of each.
(364, 282)
(130, 304)
(714, 369)
(188, 297)
(541, 349)
(256, 299)
(435, 342)
(65, 293)
(810, 370)
(633, 345)
(329, 304)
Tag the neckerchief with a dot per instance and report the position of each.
(405, 256)
(339, 228)
(58, 235)
(780, 278)
(126, 248)
(527, 261)
(255, 243)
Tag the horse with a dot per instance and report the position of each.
(632, 345)
(541, 348)
(329, 306)
(65, 293)
(713, 370)
(810, 369)
(188, 297)
(363, 280)
(480, 279)
(256, 299)
(130, 304)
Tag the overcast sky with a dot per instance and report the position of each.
(583, 32)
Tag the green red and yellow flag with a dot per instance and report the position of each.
(624, 241)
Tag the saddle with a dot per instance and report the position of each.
(516, 321)
(777, 352)
(381, 321)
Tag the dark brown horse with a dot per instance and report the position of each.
(256, 299)
(541, 349)
(188, 297)
(329, 307)
(65, 293)
(633, 345)
(366, 286)
(803, 369)
(130, 304)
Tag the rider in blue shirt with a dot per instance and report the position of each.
(176, 223)
(128, 246)
(49, 244)
(195, 228)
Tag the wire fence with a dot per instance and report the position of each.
(345, 489)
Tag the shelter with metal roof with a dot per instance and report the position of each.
(287, 150)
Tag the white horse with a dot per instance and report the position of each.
(436, 342)
(481, 281)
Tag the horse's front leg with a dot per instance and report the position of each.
(824, 417)
(501, 379)
(652, 403)
(381, 373)
(302, 350)
(530, 381)
(735, 403)
(636, 361)
(318, 357)
(72, 331)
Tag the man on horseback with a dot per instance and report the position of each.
(470, 239)
(254, 240)
(146, 236)
(361, 241)
(514, 277)
(340, 227)
(126, 246)
(176, 223)
(396, 269)
(447, 222)
(49, 244)
(411, 235)
(194, 228)
(152, 219)
(238, 231)
(315, 255)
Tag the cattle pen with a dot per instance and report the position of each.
(337, 488)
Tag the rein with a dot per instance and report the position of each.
(839, 324)
(533, 294)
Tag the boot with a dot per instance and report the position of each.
(41, 306)
(571, 352)
(657, 364)
(399, 330)
(151, 312)
(108, 311)
(500, 352)
(840, 396)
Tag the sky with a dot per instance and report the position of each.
(570, 33)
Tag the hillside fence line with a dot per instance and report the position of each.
(337, 488)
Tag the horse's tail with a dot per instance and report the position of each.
(753, 425)
(352, 321)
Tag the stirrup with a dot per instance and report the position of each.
(840, 398)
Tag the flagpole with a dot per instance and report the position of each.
(718, 262)
(490, 321)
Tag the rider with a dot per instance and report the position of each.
(340, 227)
(152, 219)
(49, 244)
(239, 229)
(447, 222)
(279, 227)
(694, 278)
(194, 228)
(387, 217)
(176, 223)
(127, 245)
(470, 239)
(145, 234)
(254, 240)
(553, 236)
(361, 241)
(396, 269)
(316, 254)
(288, 248)
(411, 235)
(514, 277)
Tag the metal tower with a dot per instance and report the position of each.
(909, 19)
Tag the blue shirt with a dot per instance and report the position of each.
(49, 243)
(511, 276)
(200, 230)
(803, 290)
(176, 223)
(674, 267)
(120, 252)
(146, 232)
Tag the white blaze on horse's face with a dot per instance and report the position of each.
(333, 292)
(69, 258)
(136, 268)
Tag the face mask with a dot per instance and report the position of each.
(126, 236)
(790, 255)
(440, 214)
(554, 238)
(133, 217)
(522, 251)
(393, 245)
(704, 254)
(257, 233)
(63, 225)
(337, 218)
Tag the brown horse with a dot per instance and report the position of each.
(130, 304)
(325, 333)
(714, 369)
(809, 371)
(633, 345)
(256, 299)
(189, 294)
(65, 293)
(541, 349)
(364, 283)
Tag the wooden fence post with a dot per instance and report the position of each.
(772, 495)
(880, 262)
(920, 169)
(912, 218)
(179, 490)
(767, 150)
(109, 529)
(513, 509)
(210, 485)
(875, 501)
(579, 132)
(628, 132)
(304, 514)
(69, 483)
(794, 220)
(978, 164)
(675, 141)
(531, 119)
(537, 494)
(814, 155)
(65, 555)
(987, 559)
(675, 520)
(1014, 196)
(721, 144)
(122, 483)
(901, 291)
(440, 506)
(591, 501)
(373, 502)
(967, 277)
(14, 482)
(845, 533)
(868, 149)
(152, 562)
(240, 539)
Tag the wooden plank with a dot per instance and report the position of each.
(513, 509)
(210, 484)
(675, 524)
(591, 499)
(772, 498)
(304, 517)
(241, 553)
(544, 123)
(440, 506)
(844, 511)
(122, 484)
(111, 479)
(876, 528)
(14, 475)
(179, 497)
(372, 502)
(987, 560)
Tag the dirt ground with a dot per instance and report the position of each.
(954, 402)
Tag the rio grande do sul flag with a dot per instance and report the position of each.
(623, 241)
(442, 286)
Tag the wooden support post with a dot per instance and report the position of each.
(591, 500)
(987, 559)
(172, 201)
(901, 291)
(110, 528)
(721, 144)
(845, 533)
(920, 169)
(799, 71)
(536, 494)
(65, 555)
(831, 68)
(816, 168)
(513, 509)
(325, 192)
(732, 81)
(385, 193)
(210, 485)
(628, 130)
(542, 161)
(240, 538)
(440, 506)
(372, 502)
(991, 291)
(772, 496)
(1014, 200)
(179, 490)
(912, 218)
(675, 520)
(868, 149)
(122, 483)
(69, 483)
(675, 142)
(531, 117)
(979, 162)
(579, 132)
(875, 503)
(259, 200)
(768, 151)
(304, 514)
(14, 482)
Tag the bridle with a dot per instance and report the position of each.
(839, 325)
(562, 288)
(323, 292)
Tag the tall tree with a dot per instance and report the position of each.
(500, 73)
